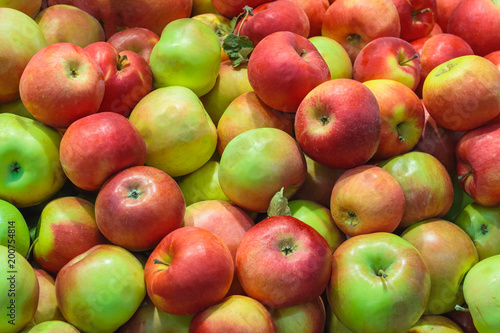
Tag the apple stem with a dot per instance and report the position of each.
(158, 261)
(461, 308)
(409, 59)
(425, 10)
(381, 273)
(247, 10)
(121, 59)
(465, 175)
(31, 249)
(400, 137)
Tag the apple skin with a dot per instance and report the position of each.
(231, 8)
(402, 116)
(233, 314)
(426, 185)
(16, 107)
(437, 324)
(333, 325)
(356, 23)
(258, 163)
(361, 185)
(173, 120)
(478, 172)
(315, 11)
(61, 84)
(471, 20)
(283, 262)
(338, 124)
(69, 24)
(137, 207)
(20, 288)
(28, 7)
(494, 57)
(47, 309)
(138, 40)
(309, 317)
(95, 147)
(335, 55)
(444, 10)
(447, 269)
(21, 38)
(100, 290)
(417, 17)
(14, 230)
(221, 25)
(388, 58)
(282, 82)
(30, 153)
(463, 320)
(203, 7)
(191, 269)
(388, 271)
(127, 77)
(51, 326)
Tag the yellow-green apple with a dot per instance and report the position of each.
(138, 40)
(66, 229)
(338, 124)
(95, 147)
(148, 319)
(181, 42)
(282, 82)
(319, 183)
(333, 324)
(235, 313)
(258, 163)
(225, 220)
(494, 57)
(14, 230)
(472, 19)
(315, 11)
(444, 10)
(417, 17)
(437, 324)
(426, 185)
(356, 23)
(191, 269)
(19, 286)
(231, 83)
(294, 262)
(402, 116)
(69, 24)
(320, 218)
(47, 309)
(271, 17)
(358, 186)
(20, 38)
(221, 25)
(463, 319)
(51, 326)
(463, 93)
(384, 277)
(203, 7)
(336, 57)
(482, 224)
(460, 200)
(127, 77)
(100, 289)
(61, 84)
(16, 107)
(149, 14)
(137, 207)
(388, 58)
(478, 172)
(29, 159)
(437, 241)
(308, 317)
(231, 8)
(482, 294)
(179, 134)
(28, 7)
(246, 112)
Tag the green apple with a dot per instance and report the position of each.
(13, 228)
(188, 54)
(435, 324)
(335, 55)
(202, 7)
(28, 7)
(47, 309)
(460, 200)
(50, 327)
(333, 324)
(16, 107)
(30, 170)
(306, 317)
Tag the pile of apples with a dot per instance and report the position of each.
(249, 166)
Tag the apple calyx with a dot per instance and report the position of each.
(354, 39)
(382, 273)
(279, 204)
(134, 194)
(404, 62)
(465, 175)
(484, 229)
(120, 62)
(288, 249)
(353, 218)
(238, 47)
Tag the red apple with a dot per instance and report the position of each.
(315, 11)
(417, 17)
(462, 319)
(232, 8)
(47, 309)
(138, 40)
(444, 10)
(436, 30)
(494, 57)
(309, 317)
(282, 82)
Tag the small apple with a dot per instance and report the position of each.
(51, 326)
(14, 230)
(336, 57)
(28, 7)
(47, 309)
(438, 324)
(417, 17)
(308, 317)
(138, 40)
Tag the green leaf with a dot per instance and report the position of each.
(238, 48)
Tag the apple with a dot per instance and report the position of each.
(69, 24)
(437, 241)
(388, 58)
(293, 266)
(221, 25)
(417, 17)
(182, 41)
(21, 39)
(383, 276)
(478, 172)
(138, 40)
(402, 116)
(47, 309)
(231, 8)
(191, 269)
(436, 30)
(29, 156)
(438, 324)
(137, 207)
(19, 285)
(333, 325)
(179, 134)
(245, 175)
(367, 199)
(315, 11)
(356, 23)
(494, 57)
(335, 55)
(127, 77)
(309, 317)
(28, 7)
(282, 82)
(61, 84)
(246, 112)
(460, 200)
(51, 326)
(14, 228)
(95, 147)
(338, 124)
(15, 107)
(100, 289)
(203, 7)
(463, 319)
(444, 10)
